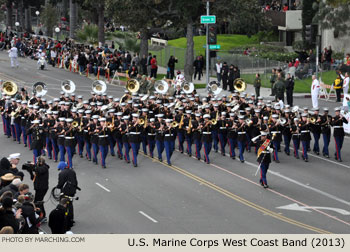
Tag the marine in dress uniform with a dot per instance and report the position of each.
(337, 122)
(206, 128)
(325, 123)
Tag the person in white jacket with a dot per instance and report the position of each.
(13, 54)
(346, 80)
(315, 88)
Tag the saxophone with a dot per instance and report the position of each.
(181, 121)
(189, 126)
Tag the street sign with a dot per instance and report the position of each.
(214, 47)
(208, 19)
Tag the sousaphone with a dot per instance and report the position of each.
(240, 85)
(68, 86)
(188, 87)
(39, 88)
(133, 86)
(10, 88)
(99, 87)
(214, 88)
(161, 86)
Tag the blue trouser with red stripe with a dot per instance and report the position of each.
(207, 148)
(135, 151)
(111, 143)
(214, 135)
(88, 148)
(276, 146)
(144, 143)
(80, 140)
(189, 144)
(151, 146)
(160, 148)
(198, 144)
(316, 142)
(119, 144)
(3, 123)
(287, 139)
(70, 151)
(181, 140)
(54, 148)
(305, 145)
(29, 137)
(62, 152)
(24, 134)
(326, 141)
(36, 154)
(296, 144)
(49, 147)
(263, 170)
(8, 127)
(232, 143)
(338, 146)
(13, 131)
(241, 146)
(103, 152)
(222, 141)
(169, 149)
(18, 131)
(95, 151)
(126, 152)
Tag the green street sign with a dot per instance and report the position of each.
(208, 19)
(214, 47)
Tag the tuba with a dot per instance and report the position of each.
(161, 87)
(240, 85)
(282, 121)
(99, 87)
(214, 88)
(132, 86)
(39, 88)
(68, 86)
(187, 87)
(10, 88)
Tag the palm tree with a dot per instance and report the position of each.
(73, 18)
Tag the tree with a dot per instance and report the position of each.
(73, 16)
(49, 17)
(333, 14)
(307, 16)
(97, 8)
(9, 22)
(244, 17)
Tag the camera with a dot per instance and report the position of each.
(29, 167)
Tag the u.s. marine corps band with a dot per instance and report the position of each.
(162, 117)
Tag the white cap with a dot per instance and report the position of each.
(14, 156)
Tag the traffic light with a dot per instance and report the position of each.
(212, 34)
(309, 36)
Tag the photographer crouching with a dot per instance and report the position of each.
(68, 183)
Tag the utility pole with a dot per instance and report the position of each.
(207, 49)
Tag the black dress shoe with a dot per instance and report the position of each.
(160, 160)
(169, 164)
(297, 157)
(277, 161)
(266, 186)
(306, 160)
(287, 153)
(50, 157)
(261, 183)
(81, 156)
(113, 155)
(128, 161)
(208, 162)
(340, 160)
(199, 158)
(216, 151)
(242, 161)
(190, 155)
(135, 165)
(233, 157)
(327, 156)
(25, 145)
(104, 167)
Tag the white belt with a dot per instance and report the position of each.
(222, 127)
(150, 134)
(134, 133)
(60, 135)
(275, 132)
(241, 133)
(86, 131)
(69, 138)
(103, 136)
(305, 131)
(265, 152)
(168, 135)
(296, 134)
(207, 133)
(23, 117)
(338, 127)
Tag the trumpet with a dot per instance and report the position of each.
(214, 121)
(75, 124)
(248, 122)
(141, 122)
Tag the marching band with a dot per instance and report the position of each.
(103, 124)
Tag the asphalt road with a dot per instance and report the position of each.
(191, 196)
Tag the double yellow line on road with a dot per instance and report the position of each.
(240, 199)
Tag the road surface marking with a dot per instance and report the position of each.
(148, 217)
(325, 159)
(104, 188)
(240, 199)
(296, 207)
(303, 185)
(278, 193)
